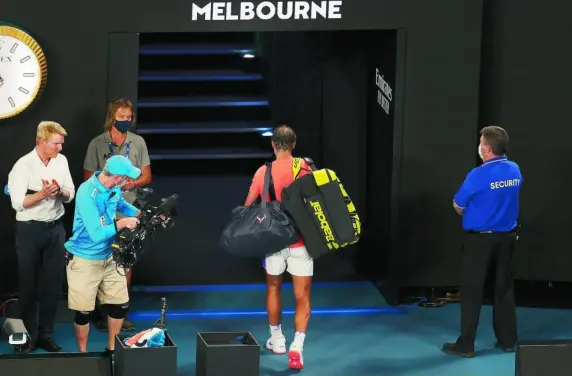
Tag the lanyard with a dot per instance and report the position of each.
(127, 147)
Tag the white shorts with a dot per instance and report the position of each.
(296, 261)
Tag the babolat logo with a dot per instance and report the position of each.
(296, 164)
(324, 225)
(266, 10)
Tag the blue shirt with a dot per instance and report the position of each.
(93, 224)
(490, 196)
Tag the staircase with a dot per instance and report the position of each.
(202, 98)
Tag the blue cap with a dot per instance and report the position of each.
(122, 166)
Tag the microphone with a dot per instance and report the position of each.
(161, 323)
(163, 308)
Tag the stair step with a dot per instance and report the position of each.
(166, 142)
(184, 154)
(180, 88)
(236, 101)
(195, 49)
(197, 62)
(164, 115)
(246, 37)
(199, 75)
(204, 127)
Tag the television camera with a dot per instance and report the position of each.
(128, 244)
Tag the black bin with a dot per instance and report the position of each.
(145, 360)
(227, 353)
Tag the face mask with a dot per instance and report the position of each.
(480, 151)
(122, 126)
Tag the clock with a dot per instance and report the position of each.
(23, 70)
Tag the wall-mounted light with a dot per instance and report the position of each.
(248, 56)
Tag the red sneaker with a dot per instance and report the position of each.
(295, 357)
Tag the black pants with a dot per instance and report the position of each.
(41, 266)
(481, 251)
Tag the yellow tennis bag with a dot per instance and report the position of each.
(321, 208)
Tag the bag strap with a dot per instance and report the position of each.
(267, 179)
(271, 191)
(297, 166)
(310, 163)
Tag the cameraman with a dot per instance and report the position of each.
(92, 273)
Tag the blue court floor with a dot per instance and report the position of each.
(352, 333)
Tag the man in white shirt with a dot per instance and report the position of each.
(39, 183)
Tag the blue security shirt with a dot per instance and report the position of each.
(93, 225)
(490, 196)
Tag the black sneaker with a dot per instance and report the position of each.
(453, 349)
(504, 348)
(48, 344)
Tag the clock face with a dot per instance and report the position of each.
(21, 75)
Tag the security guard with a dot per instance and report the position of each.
(488, 200)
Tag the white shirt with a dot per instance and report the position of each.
(27, 174)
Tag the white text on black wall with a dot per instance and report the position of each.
(266, 10)
(384, 92)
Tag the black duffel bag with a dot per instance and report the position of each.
(260, 229)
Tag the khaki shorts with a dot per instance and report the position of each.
(90, 279)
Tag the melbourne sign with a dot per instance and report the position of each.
(267, 10)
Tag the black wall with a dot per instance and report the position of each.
(440, 97)
(525, 87)
(380, 146)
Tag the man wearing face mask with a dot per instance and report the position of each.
(91, 270)
(118, 140)
(488, 201)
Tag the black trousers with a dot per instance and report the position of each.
(41, 267)
(481, 252)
